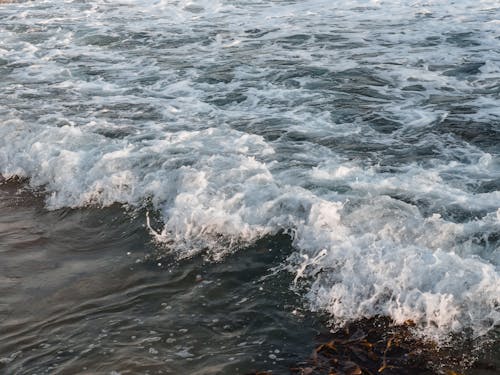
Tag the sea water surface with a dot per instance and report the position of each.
(198, 186)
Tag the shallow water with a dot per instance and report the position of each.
(359, 141)
(86, 291)
(92, 295)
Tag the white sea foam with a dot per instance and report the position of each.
(351, 125)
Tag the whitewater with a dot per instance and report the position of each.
(367, 131)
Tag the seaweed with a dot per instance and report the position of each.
(375, 346)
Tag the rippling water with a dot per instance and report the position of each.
(84, 292)
(196, 165)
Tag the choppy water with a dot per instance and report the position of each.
(358, 140)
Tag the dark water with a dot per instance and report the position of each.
(85, 291)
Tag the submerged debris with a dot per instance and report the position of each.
(374, 346)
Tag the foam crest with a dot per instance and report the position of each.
(384, 258)
(364, 129)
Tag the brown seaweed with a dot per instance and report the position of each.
(375, 346)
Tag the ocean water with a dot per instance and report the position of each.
(198, 186)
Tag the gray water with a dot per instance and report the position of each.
(342, 157)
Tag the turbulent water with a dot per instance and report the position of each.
(368, 132)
